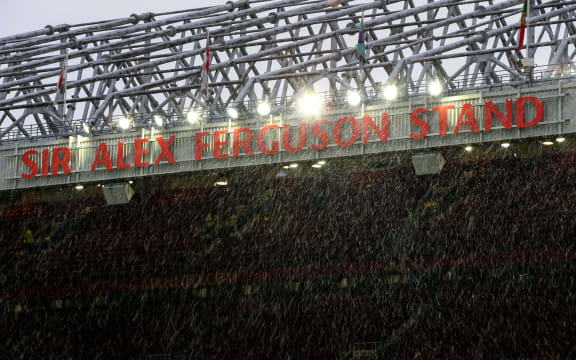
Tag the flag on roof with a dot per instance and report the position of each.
(522, 26)
(206, 67)
(60, 86)
(361, 48)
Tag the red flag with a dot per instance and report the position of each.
(60, 87)
(206, 67)
(522, 26)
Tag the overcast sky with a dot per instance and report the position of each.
(19, 16)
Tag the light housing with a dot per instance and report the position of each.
(505, 145)
(560, 139)
(547, 143)
(353, 97)
(124, 123)
(468, 148)
(310, 103)
(390, 92)
(263, 108)
(232, 112)
(158, 120)
(86, 129)
(193, 116)
(435, 88)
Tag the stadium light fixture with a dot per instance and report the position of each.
(130, 182)
(79, 187)
(317, 166)
(193, 116)
(468, 148)
(560, 139)
(285, 167)
(124, 123)
(293, 166)
(353, 97)
(390, 92)
(158, 120)
(505, 145)
(435, 88)
(547, 143)
(310, 103)
(322, 162)
(263, 108)
(86, 129)
(232, 113)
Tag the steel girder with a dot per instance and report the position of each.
(150, 64)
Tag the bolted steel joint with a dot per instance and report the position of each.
(170, 31)
(134, 19)
(273, 18)
(147, 16)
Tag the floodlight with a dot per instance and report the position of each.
(560, 139)
(232, 112)
(547, 143)
(79, 187)
(124, 123)
(263, 108)
(468, 148)
(435, 88)
(354, 98)
(321, 162)
(293, 165)
(317, 166)
(193, 116)
(390, 92)
(310, 103)
(505, 145)
(158, 120)
(86, 129)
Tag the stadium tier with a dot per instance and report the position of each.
(359, 258)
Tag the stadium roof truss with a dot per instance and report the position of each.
(150, 64)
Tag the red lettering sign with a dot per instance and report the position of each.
(59, 158)
(102, 157)
(338, 130)
(286, 138)
(30, 163)
(58, 162)
(244, 143)
(166, 153)
(469, 113)
(423, 125)
(520, 111)
(322, 135)
(490, 109)
(260, 141)
(218, 144)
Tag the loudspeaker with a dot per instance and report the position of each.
(118, 193)
(426, 164)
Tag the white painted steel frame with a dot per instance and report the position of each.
(150, 64)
